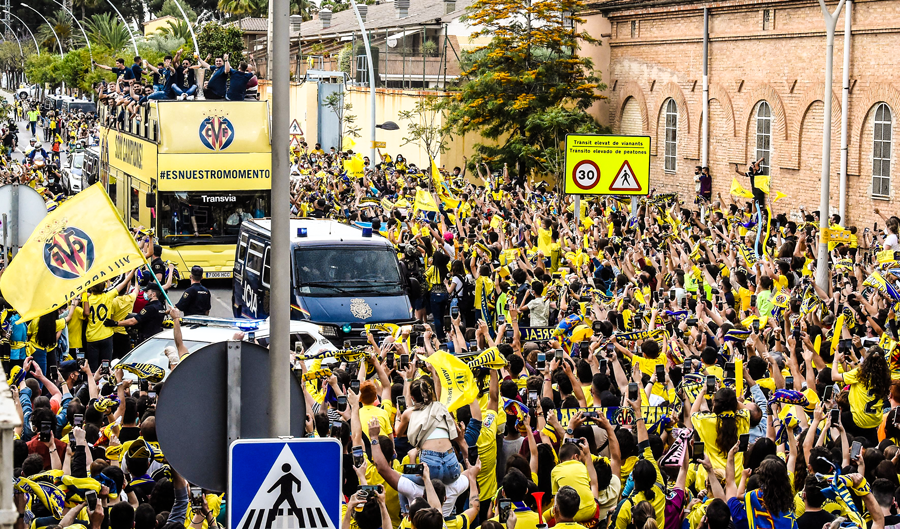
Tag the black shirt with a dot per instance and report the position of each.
(814, 520)
(158, 267)
(150, 319)
(195, 300)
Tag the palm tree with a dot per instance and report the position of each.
(86, 4)
(62, 23)
(105, 29)
(178, 29)
(260, 8)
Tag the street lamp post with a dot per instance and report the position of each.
(190, 28)
(830, 24)
(125, 22)
(83, 32)
(36, 47)
(372, 106)
(58, 42)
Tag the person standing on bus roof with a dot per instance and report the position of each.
(196, 298)
(136, 69)
(239, 80)
(214, 88)
(119, 69)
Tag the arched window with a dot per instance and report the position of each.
(671, 135)
(881, 151)
(763, 136)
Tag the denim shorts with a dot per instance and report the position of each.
(443, 466)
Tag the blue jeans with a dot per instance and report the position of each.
(438, 300)
(159, 94)
(40, 358)
(178, 90)
(443, 467)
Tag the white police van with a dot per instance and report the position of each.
(342, 277)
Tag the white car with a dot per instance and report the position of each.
(73, 173)
(200, 331)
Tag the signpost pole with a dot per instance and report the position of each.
(233, 368)
(577, 209)
(14, 221)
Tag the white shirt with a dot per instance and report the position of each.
(891, 242)
(539, 312)
(412, 491)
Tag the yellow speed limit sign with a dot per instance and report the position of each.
(607, 165)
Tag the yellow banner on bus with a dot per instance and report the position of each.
(130, 154)
(232, 172)
(214, 127)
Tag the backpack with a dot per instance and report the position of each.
(467, 295)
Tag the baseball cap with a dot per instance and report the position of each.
(197, 271)
(69, 366)
(448, 236)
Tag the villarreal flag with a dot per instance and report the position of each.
(81, 243)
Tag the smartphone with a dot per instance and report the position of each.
(541, 363)
(796, 334)
(684, 301)
(585, 347)
(743, 442)
(414, 469)
(389, 360)
(710, 384)
(151, 394)
(671, 295)
(337, 429)
(196, 497)
(504, 505)
(77, 420)
(404, 361)
(79, 355)
(558, 354)
(371, 491)
(420, 341)
(46, 427)
(358, 459)
(91, 498)
(660, 373)
(473, 455)
(53, 373)
(603, 366)
(661, 306)
(454, 312)
(342, 403)
(532, 398)
(729, 369)
(835, 416)
(753, 300)
(699, 452)
(501, 319)
(789, 382)
(104, 367)
(401, 404)
(632, 391)
(845, 345)
(145, 385)
(756, 326)
(855, 450)
(829, 392)
(686, 368)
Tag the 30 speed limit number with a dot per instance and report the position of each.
(586, 174)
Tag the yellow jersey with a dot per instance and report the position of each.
(866, 407)
(658, 502)
(391, 496)
(384, 419)
(76, 328)
(121, 307)
(525, 517)
(573, 473)
(60, 325)
(100, 309)
(487, 452)
(705, 424)
(648, 365)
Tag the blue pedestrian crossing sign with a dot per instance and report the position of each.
(284, 484)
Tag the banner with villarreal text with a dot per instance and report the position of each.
(81, 243)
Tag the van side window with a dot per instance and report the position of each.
(266, 269)
(255, 257)
(242, 248)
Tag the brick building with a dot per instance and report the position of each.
(766, 70)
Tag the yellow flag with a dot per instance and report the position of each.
(355, 166)
(449, 201)
(81, 243)
(738, 190)
(424, 201)
(457, 383)
(778, 196)
(762, 182)
(436, 176)
(347, 143)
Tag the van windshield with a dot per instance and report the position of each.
(335, 271)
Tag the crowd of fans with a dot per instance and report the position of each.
(674, 365)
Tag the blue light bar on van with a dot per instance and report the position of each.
(367, 232)
(301, 232)
(248, 326)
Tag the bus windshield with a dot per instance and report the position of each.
(207, 217)
(339, 270)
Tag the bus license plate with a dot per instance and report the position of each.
(214, 275)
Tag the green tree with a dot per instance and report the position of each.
(216, 40)
(62, 24)
(105, 29)
(178, 29)
(427, 125)
(260, 8)
(170, 8)
(530, 67)
(86, 4)
(347, 122)
(160, 44)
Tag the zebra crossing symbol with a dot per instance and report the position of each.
(285, 484)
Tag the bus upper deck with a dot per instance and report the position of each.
(192, 171)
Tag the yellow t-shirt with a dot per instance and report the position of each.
(60, 325)
(384, 419)
(865, 407)
(214, 503)
(121, 307)
(705, 424)
(391, 496)
(545, 239)
(658, 502)
(100, 309)
(460, 521)
(487, 452)
(574, 474)
(525, 518)
(648, 365)
(744, 294)
(76, 328)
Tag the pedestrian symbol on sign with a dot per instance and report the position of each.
(286, 494)
(625, 179)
